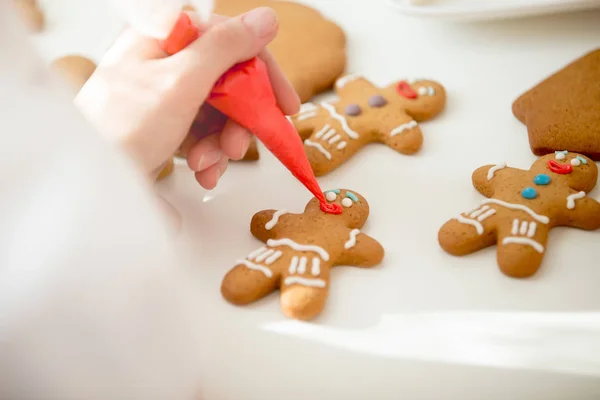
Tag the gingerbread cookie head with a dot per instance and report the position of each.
(355, 209)
(576, 170)
(422, 99)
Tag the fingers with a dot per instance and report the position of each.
(235, 140)
(205, 153)
(286, 95)
(209, 178)
(223, 45)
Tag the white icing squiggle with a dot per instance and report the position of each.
(352, 241)
(299, 247)
(322, 131)
(571, 199)
(273, 258)
(341, 119)
(523, 240)
(256, 267)
(316, 266)
(540, 218)
(307, 115)
(291, 280)
(319, 147)
(467, 221)
(401, 128)
(493, 170)
(343, 81)
(269, 225)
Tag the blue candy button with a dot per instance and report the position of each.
(529, 193)
(542, 179)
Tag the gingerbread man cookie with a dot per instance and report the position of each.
(333, 133)
(299, 253)
(521, 208)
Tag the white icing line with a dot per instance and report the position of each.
(523, 240)
(329, 134)
(493, 170)
(256, 267)
(334, 139)
(341, 119)
(322, 131)
(291, 280)
(515, 227)
(352, 241)
(293, 265)
(524, 226)
(319, 147)
(532, 229)
(571, 199)
(467, 221)
(341, 145)
(256, 253)
(401, 128)
(264, 255)
(316, 266)
(273, 258)
(485, 216)
(540, 218)
(306, 107)
(302, 265)
(343, 81)
(479, 211)
(299, 247)
(307, 115)
(269, 225)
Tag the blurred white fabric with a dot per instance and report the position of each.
(94, 302)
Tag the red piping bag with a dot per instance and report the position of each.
(245, 95)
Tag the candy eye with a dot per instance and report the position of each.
(422, 90)
(430, 91)
(331, 196)
(575, 162)
(560, 155)
(347, 202)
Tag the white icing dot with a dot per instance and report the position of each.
(430, 91)
(330, 196)
(560, 156)
(575, 162)
(347, 202)
(422, 90)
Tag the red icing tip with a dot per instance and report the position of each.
(559, 168)
(406, 91)
(331, 208)
(184, 33)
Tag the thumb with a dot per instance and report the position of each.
(227, 43)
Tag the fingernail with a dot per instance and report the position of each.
(260, 20)
(244, 147)
(208, 159)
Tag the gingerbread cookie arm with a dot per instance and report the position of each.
(264, 224)
(361, 250)
(485, 178)
(581, 212)
(403, 135)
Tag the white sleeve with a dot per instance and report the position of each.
(94, 303)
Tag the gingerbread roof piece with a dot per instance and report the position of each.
(563, 111)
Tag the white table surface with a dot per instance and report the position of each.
(423, 325)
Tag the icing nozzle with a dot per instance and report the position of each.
(184, 33)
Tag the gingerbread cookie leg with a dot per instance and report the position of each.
(304, 286)
(521, 247)
(469, 232)
(253, 277)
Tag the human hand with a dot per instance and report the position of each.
(150, 102)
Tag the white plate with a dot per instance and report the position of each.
(423, 325)
(488, 9)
